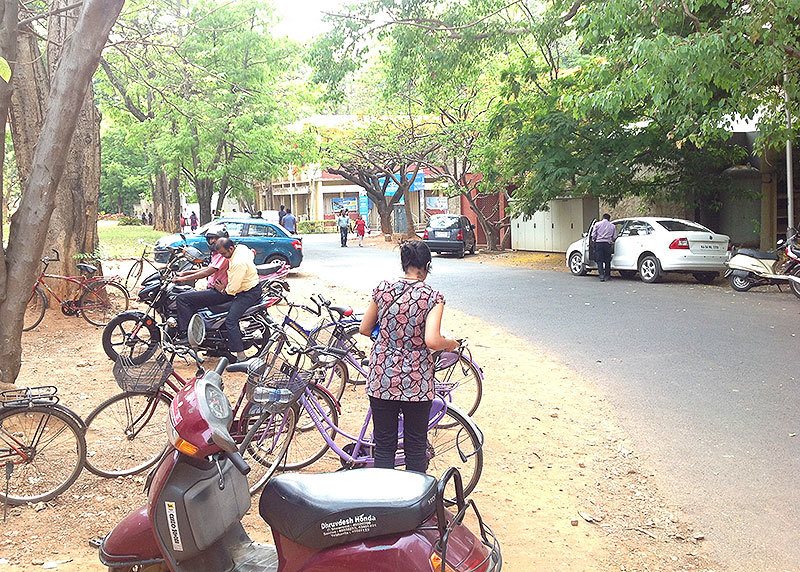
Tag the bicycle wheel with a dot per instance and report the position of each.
(265, 444)
(134, 275)
(454, 443)
(308, 443)
(47, 450)
(101, 301)
(333, 378)
(125, 434)
(460, 384)
(132, 335)
(34, 311)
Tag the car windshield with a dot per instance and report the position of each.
(682, 226)
(443, 222)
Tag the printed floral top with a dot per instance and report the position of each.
(401, 364)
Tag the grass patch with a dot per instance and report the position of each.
(123, 241)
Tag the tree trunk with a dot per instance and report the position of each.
(68, 90)
(204, 189)
(31, 86)
(9, 10)
(223, 192)
(410, 229)
(166, 204)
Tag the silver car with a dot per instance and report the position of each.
(652, 246)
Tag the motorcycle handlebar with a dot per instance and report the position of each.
(238, 461)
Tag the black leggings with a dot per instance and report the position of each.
(385, 413)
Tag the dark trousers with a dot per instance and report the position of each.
(343, 235)
(189, 302)
(415, 432)
(603, 253)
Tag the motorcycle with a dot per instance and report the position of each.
(748, 268)
(137, 335)
(379, 520)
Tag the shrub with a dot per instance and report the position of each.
(316, 226)
(130, 221)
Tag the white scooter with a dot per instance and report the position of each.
(748, 268)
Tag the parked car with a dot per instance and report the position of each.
(271, 242)
(654, 245)
(450, 233)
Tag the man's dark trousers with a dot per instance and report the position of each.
(603, 254)
(189, 302)
(241, 302)
(343, 235)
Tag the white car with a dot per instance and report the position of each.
(654, 245)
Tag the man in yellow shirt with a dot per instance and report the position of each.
(242, 287)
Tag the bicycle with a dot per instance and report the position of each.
(42, 445)
(464, 390)
(125, 433)
(135, 273)
(453, 438)
(97, 298)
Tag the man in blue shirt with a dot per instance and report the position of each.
(290, 221)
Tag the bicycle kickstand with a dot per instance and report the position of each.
(9, 470)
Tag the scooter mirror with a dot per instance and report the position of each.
(196, 331)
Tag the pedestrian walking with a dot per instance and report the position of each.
(193, 221)
(144, 218)
(290, 222)
(401, 376)
(149, 218)
(361, 229)
(343, 222)
(281, 214)
(604, 234)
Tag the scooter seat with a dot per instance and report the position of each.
(760, 254)
(323, 510)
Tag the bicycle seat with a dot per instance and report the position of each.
(342, 310)
(88, 268)
(322, 510)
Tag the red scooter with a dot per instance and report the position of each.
(376, 520)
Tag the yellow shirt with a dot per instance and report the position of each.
(242, 273)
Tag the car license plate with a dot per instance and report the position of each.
(441, 234)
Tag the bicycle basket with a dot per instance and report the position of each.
(329, 336)
(142, 377)
(273, 372)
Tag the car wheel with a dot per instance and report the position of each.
(627, 274)
(272, 258)
(740, 283)
(576, 265)
(650, 269)
(460, 252)
(472, 249)
(705, 277)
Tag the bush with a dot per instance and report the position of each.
(316, 226)
(130, 221)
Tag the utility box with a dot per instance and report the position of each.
(553, 230)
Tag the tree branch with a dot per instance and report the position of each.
(48, 14)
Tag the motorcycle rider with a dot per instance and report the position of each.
(242, 287)
(216, 272)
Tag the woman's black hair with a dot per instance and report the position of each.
(415, 253)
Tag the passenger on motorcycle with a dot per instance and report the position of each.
(216, 272)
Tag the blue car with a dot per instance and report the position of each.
(272, 242)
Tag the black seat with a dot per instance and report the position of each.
(342, 310)
(322, 510)
(760, 254)
(88, 268)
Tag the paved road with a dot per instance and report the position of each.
(702, 377)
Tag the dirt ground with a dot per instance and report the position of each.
(562, 486)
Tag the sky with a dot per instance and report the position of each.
(301, 20)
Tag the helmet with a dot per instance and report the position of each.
(216, 232)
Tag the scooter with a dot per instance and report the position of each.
(748, 268)
(378, 520)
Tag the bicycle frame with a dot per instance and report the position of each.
(324, 424)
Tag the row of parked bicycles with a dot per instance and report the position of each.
(45, 445)
(298, 405)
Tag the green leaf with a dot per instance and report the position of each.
(5, 70)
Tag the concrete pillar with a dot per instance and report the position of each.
(769, 203)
